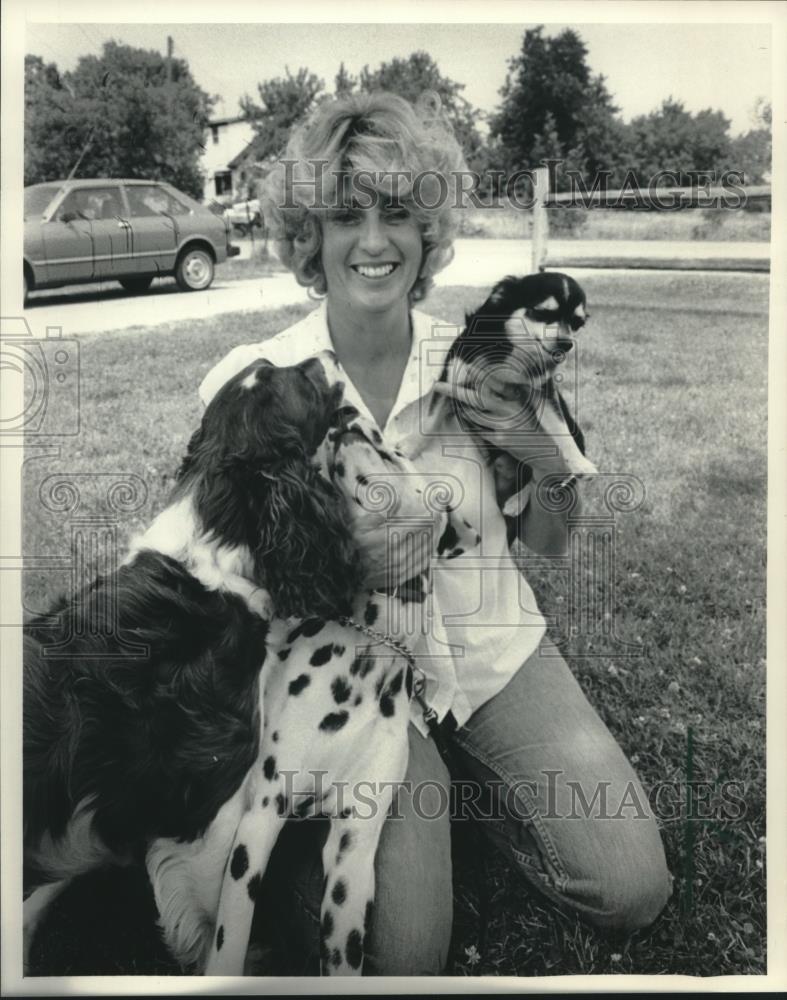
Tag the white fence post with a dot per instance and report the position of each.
(540, 219)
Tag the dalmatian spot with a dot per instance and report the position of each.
(284, 653)
(358, 700)
(344, 841)
(371, 613)
(239, 864)
(387, 703)
(265, 801)
(269, 768)
(408, 681)
(336, 958)
(339, 650)
(275, 736)
(321, 656)
(220, 937)
(281, 804)
(361, 479)
(378, 687)
(299, 684)
(466, 523)
(477, 539)
(368, 666)
(344, 814)
(354, 949)
(367, 924)
(339, 892)
(307, 628)
(327, 924)
(448, 539)
(413, 591)
(334, 721)
(455, 553)
(253, 888)
(303, 807)
(355, 666)
(340, 690)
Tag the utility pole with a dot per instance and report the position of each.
(170, 50)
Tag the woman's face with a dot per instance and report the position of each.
(370, 256)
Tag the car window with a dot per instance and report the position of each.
(92, 204)
(150, 199)
(38, 198)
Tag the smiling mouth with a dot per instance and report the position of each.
(374, 271)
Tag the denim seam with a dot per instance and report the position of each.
(536, 820)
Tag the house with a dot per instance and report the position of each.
(225, 169)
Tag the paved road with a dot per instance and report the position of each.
(476, 263)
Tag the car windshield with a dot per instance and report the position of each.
(37, 198)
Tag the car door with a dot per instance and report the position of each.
(155, 222)
(88, 236)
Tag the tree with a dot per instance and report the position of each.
(672, 138)
(751, 153)
(284, 101)
(551, 98)
(132, 112)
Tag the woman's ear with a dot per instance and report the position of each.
(305, 557)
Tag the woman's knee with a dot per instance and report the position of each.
(620, 881)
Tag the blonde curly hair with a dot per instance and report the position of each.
(379, 136)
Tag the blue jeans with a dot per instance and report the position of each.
(561, 801)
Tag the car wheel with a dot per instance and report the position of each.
(194, 270)
(136, 285)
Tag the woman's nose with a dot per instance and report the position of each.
(372, 238)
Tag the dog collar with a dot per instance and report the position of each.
(419, 682)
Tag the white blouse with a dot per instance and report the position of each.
(482, 621)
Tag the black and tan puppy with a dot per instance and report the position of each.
(499, 376)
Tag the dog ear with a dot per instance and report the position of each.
(305, 556)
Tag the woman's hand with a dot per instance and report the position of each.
(518, 418)
(392, 555)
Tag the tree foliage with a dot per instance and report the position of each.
(551, 102)
(751, 153)
(283, 101)
(131, 112)
(672, 138)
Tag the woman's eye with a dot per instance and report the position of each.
(396, 213)
(343, 217)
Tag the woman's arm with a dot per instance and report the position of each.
(542, 530)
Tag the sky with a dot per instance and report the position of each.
(722, 66)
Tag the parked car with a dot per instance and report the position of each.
(129, 230)
(245, 216)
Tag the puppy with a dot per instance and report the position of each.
(499, 379)
(142, 710)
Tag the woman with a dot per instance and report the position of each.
(367, 230)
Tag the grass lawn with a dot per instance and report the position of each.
(673, 392)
